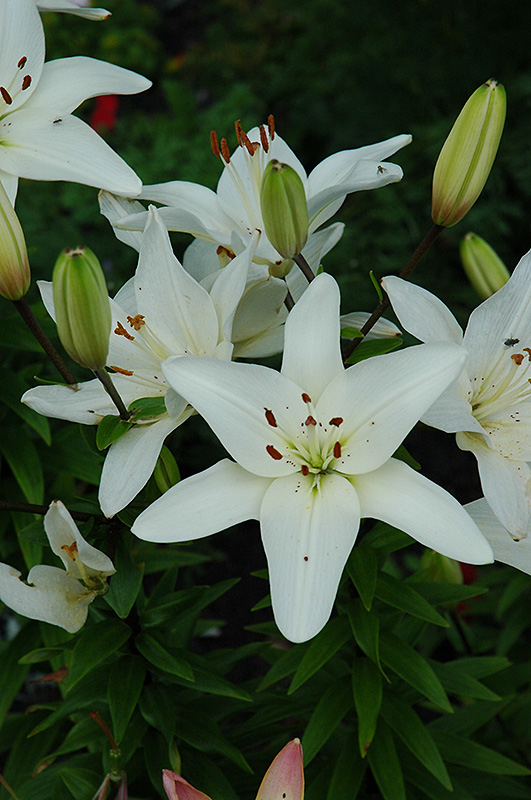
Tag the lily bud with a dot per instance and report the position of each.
(166, 471)
(440, 569)
(467, 155)
(15, 275)
(285, 776)
(483, 267)
(82, 308)
(284, 209)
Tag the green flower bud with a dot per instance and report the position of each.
(82, 308)
(483, 267)
(15, 275)
(166, 472)
(284, 209)
(467, 155)
(439, 568)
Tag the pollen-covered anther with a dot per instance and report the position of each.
(137, 321)
(337, 450)
(270, 417)
(6, 97)
(214, 143)
(310, 420)
(305, 469)
(22, 63)
(273, 452)
(271, 126)
(121, 331)
(26, 82)
(127, 372)
(238, 129)
(225, 152)
(70, 549)
(251, 147)
(336, 421)
(518, 358)
(306, 398)
(528, 351)
(264, 139)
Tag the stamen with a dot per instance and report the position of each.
(305, 470)
(310, 420)
(128, 372)
(214, 143)
(22, 62)
(70, 549)
(225, 152)
(528, 351)
(26, 81)
(263, 139)
(336, 421)
(306, 398)
(238, 129)
(6, 97)
(518, 358)
(136, 322)
(273, 452)
(121, 331)
(337, 450)
(271, 126)
(251, 147)
(270, 417)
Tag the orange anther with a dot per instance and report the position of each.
(121, 331)
(136, 322)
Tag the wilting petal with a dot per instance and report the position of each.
(397, 494)
(131, 461)
(206, 503)
(50, 595)
(178, 789)
(62, 533)
(506, 484)
(312, 356)
(515, 552)
(285, 777)
(421, 312)
(307, 535)
(381, 398)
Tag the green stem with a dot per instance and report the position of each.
(289, 302)
(111, 390)
(8, 788)
(32, 508)
(380, 309)
(304, 267)
(27, 315)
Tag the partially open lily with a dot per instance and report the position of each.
(313, 446)
(284, 780)
(59, 596)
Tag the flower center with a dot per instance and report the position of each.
(313, 448)
(19, 83)
(507, 382)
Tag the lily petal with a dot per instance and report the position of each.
(62, 532)
(206, 503)
(88, 405)
(308, 534)
(68, 7)
(515, 552)
(421, 312)
(398, 495)
(114, 208)
(229, 286)
(22, 36)
(178, 789)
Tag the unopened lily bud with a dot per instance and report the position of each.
(166, 471)
(483, 267)
(285, 776)
(82, 308)
(284, 209)
(440, 569)
(467, 155)
(15, 275)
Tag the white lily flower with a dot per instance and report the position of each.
(489, 405)
(40, 139)
(507, 549)
(229, 216)
(80, 9)
(54, 595)
(313, 447)
(161, 312)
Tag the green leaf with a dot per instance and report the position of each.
(455, 681)
(385, 766)
(376, 283)
(367, 689)
(362, 568)
(321, 649)
(459, 750)
(201, 732)
(94, 644)
(81, 782)
(348, 773)
(386, 538)
(126, 582)
(110, 429)
(330, 710)
(126, 680)
(351, 333)
(374, 347)
(414, 669)
(147, 408)
(366, 629)
(160, 657)
(42, 654)
(23, 459)
(284, 666)
(156, 705)
(12, 673)
(13, 387)
(416, 736)
(404, 455)
(399, 595)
